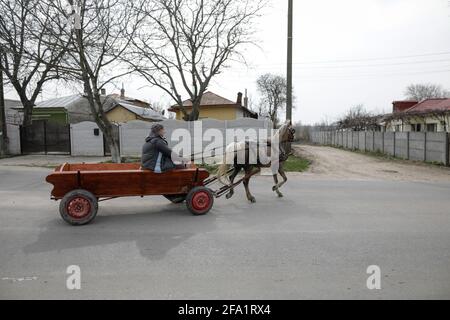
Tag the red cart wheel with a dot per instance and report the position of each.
(78, 207)
(200, 201)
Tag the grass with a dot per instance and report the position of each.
(296, 164)
(293, 164)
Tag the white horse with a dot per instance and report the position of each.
(245, 155)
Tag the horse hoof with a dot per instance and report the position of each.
(274, 188)
(280, 195)
(252, 200)
(229, 196)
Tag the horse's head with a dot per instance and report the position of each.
(287, 132)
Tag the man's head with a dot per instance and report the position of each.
(158, 129)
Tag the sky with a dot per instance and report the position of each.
(346, 53)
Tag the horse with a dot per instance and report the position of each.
(285, 135)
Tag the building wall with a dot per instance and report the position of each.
(240, 114)
(58, 115)
(396, 126)
(120, 115)
(217, 113)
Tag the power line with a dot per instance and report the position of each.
(337, 76)
(367, 59)
(374, 76)
(262, 66)
(378, 59)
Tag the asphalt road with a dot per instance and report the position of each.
(316, 243)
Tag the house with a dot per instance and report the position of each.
(75, 108)
(213, 106)
(431, 115)
(122, 109)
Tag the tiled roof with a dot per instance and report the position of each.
(211, 99)
(431, 105)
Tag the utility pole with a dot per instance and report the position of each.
(3, 133)
(289, 62)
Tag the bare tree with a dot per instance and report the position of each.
(273, 91)
(103, 34)
(420, 92)
(162, 108)
(359, 119)
(3, 129)
(29, 58)
(185, 43)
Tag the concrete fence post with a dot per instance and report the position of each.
(365, 141)
(382, 142)
(447, 152)
(394, 142)
(407, 145)
(373, 140)
(358, 140)
(120, 139)
(71, 139)
(425, 147)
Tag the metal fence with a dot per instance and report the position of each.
(418, 146)
(45, 137)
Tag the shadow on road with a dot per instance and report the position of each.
(155, 231)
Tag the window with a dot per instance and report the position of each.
(416, 127)
(432, 127)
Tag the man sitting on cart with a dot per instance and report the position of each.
(156, 154)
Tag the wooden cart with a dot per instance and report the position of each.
(80, 187)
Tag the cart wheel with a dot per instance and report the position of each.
(177, 199)
(200, 201)
(78, 207)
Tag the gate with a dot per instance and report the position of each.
(45, 137)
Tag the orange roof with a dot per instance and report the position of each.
(210, 99)
(431, 105)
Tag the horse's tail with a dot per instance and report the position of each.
(231, 152)
(222, 172)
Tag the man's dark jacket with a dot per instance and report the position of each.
(154, 145)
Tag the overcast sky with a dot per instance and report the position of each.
(346, 52)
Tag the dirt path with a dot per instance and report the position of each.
(332, 163)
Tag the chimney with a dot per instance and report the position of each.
(400, 106)
(239, 99)
(103, 92)
(122, 92)
(246, 99)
